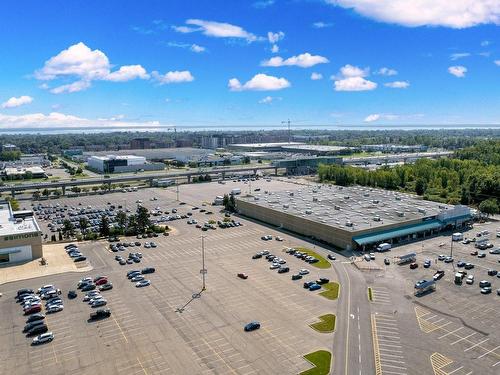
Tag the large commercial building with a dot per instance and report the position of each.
(20, 236)
(121, 163)
(11, 173)
(353, 217)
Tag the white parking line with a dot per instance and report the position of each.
(463, 338)
(473, 346)
(488, 352)
(450, 333)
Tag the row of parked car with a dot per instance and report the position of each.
(138, 278)
(74, 252)
(132, 258)
(100, 282)
(31, 303)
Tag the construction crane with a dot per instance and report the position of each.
(288, 122)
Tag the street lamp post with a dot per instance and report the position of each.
(203, 271)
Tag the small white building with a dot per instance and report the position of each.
(121, 163)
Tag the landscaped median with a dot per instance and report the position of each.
(322, 262)
(322, 360)
(326, 323)
(332, 290)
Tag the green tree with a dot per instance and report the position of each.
(132, 224)
(95, 188)
(36, 195)
(121, 219)
(84, 224)
(14, 203)
(57, 193)
(420, 186)
(60, 235)
(489, 207)
(68, 229)
(104, 226)
(45, 192)
(142, 219)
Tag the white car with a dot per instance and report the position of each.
(43, 338)
(45, 288)
(303, 272)
(137, 278)
(99, 302)
(90, 295)
(94, 299)
(54, 309)
(470, 280)
(278, 238)
(274, 266)
(372, 256)
(142, 283)
(147, 245)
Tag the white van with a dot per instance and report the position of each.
(384, 247)
(457, 236)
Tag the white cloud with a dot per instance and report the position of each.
(17, 102)
(372, 118)
(57, 119)
(458, 71)
(196, 48)
(215, 29)
(263, 4)
(127, 73)
(268, 99)
(497, 62)
(449, 13)
(260, 82)
(316, 76)
(460, 55)
(386, 72)
(321, 25)
(274, 38)
(485, 43)
(71, 87)
(398, 84)
(173, 77)
(352, 78)
(275, 48)
(86, 65)
(304, 60)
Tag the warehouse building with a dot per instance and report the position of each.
(353, 217)
(20, 236)
(121, 163)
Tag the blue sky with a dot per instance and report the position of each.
(114, 63)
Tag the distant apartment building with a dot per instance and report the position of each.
(140, 143)
(121, 163)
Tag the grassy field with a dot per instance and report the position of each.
(332, 290)
(323, 263)
(326, 323)
(322, 360)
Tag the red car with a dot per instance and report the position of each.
(101, 281)
(243, 276)
(413, 266)
(33, 309)
(473, 252)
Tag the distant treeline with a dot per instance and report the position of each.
(471, 177)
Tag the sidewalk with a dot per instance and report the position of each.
(58, 262)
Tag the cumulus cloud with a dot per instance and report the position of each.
(57, 119)
(398, 84)
(322, 25)
(454, 14)
(268, 99)
(196, 48)
(172, 77)
(215, 29)
(372, 118)
(460, 55)
(458, 71)
(259, 82)
(485, 43)
(274, 38)
(352, 78)
(17, 102)
(86, 65)
(316, 76)
(304, 60)
(497, 62)
(275, 48)
(263, 4)
(386, 72)
(192, 47)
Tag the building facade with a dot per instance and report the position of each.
(20, 236)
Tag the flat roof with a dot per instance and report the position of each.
(9, 225)
(23, 170)
(265, 145)
(117, 157)
(351, 209)
(317, 148)
(159, 153)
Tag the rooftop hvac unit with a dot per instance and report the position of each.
(375, 201)
(291, 194)
(400, 214)
(256, 198)
(421, 210)
(349, 223)
(398, 198)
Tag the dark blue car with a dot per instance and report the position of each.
(252, 326)
(314, 287)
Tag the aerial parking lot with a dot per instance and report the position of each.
(171, 326)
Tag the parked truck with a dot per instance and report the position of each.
(457, 236)
(459, 277)
(236, 191)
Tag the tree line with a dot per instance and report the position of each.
(470, 177)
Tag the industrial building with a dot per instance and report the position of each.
(353, 217)
(121, 163)
(12, 173)
(20, 236)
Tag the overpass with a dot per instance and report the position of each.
(395, 158)
(64, 184)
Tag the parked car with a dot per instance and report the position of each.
(296, 277)
(470, 280)
(252, 326)
(484, 283)
(387, 261)
(257, 256)
(101, 281)
(468, 266)
(79, 259)
(88, 287)
(481, 255)
(148, 270)
(107, 286)
(486, 290)
(314, 286)
(322, 280)
(427, 263)
(37, 330)
(331, 257)
(98, 303)
(492, 272)
(137, 278)
(35, 317)
(100, 314)
(54, 309)
(43, 338)
(243, 276)
(413, 266)
(303, 271)
(284, 270)
(438, 275)
(143, 283)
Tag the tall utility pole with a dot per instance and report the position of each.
(177, 190)
(288, 122)
(203, 271)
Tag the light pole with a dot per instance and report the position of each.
(203, 271)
